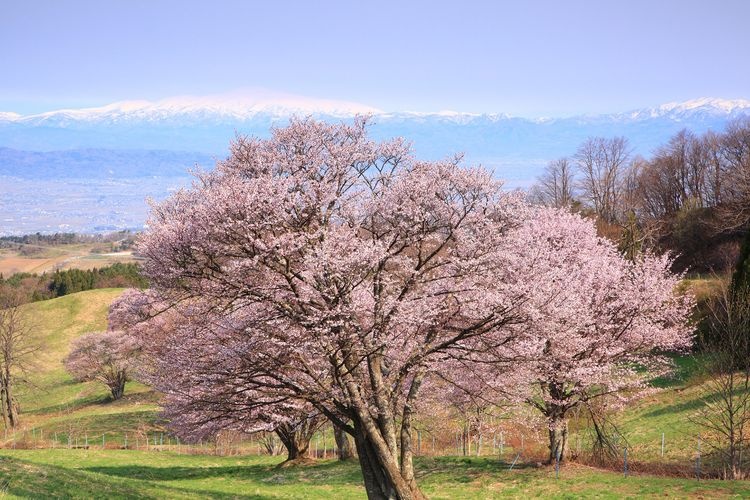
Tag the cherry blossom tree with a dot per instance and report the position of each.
(108, 357)
(601, 323)
(345, 272)
(206, 371)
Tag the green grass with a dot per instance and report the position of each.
(52, 402)
(54, 405)
(131, 474)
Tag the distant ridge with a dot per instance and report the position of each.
(96, 166)
(229, 108)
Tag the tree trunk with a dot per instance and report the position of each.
(11, 407)
(2, 405)
(343, 445)
(117, 389)
(297, 444)
(558, 438)
(382, 476)
(296, 436)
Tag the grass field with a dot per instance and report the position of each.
(40, 259)
(131, 474)
(54, 405)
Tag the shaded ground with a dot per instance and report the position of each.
(134, 474)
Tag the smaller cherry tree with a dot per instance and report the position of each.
(108, 357)
(599, 324)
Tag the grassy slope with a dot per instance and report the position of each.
(53, 402)
(60, 405)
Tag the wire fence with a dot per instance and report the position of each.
(667, 454)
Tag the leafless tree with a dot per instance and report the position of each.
(17, 345)
(725, 415)
(735, 148)
(555, 186)
(601, 162)
(713, 158)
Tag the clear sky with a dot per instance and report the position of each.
(528, 58)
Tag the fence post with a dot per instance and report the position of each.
(126, 440)
(514, 461)
(87, 441)
(557, 465)
(502, 443)
(698, 460)
(662, 444)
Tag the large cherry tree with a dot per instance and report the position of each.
(348, 271)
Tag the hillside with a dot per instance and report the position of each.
(54, 407)
(54, 404)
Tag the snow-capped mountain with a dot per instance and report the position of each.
(115, 148)
(195, 109)
(207, 124)
(705, 107)
(243, 107)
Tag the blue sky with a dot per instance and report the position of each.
(528, 58)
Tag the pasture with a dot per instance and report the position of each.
(58, 412)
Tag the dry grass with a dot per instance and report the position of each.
(48, 259)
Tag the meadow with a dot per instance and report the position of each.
(63, 421)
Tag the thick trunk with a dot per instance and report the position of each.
(117, 389)
(296, 445)
(116, 383)
(296, 436)
(382, 476)
(375, 434)
(343, 445)
(558, 438)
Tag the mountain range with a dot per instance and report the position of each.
(131, 140)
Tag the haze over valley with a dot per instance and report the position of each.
(91, 169)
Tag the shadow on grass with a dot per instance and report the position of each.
(96, 400)
(27, 479)
(686, 368)
(77, 404)
(327, 473)
(687, 406)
